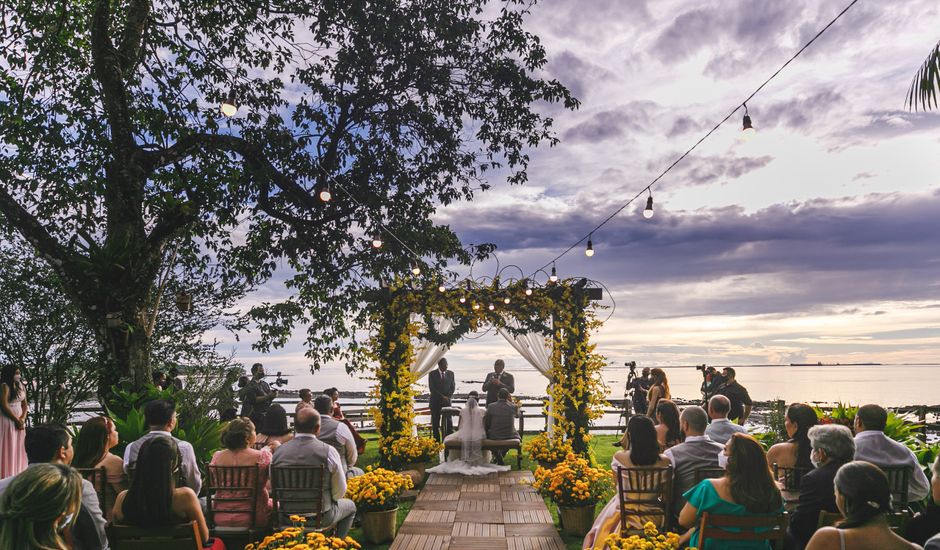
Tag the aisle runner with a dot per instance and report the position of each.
(492, 512)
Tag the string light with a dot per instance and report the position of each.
(377, 240)
(491, 307)
(476, 306)
(648, 211)
(441, 287)
(463, 299)
(415, 269)
(554, 276)
(747, 129)
(506, 300)
(228, 107)
(589, 251)
(325, 194)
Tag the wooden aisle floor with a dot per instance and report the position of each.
(493, 512)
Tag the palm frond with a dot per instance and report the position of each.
(926, 83)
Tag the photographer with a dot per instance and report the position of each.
(258, 395)
(640, 386)
(712, 381)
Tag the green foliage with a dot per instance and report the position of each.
(122, 401)
(926, 83)
(130, 426)
(204, 434)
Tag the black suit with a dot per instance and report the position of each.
(816, 494)
(492, 389)
(441, 389)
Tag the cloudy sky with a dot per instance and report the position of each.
(818, 240)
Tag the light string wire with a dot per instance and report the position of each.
(649, 186)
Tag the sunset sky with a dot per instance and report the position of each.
(818, 240)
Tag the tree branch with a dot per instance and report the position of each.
(29, 226)
(107, 67)
(131, 45)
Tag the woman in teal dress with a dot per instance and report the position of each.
(747, 489)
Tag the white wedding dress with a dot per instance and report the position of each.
(472, 461)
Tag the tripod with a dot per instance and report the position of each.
(625, 414)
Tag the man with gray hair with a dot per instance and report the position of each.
(833, 446)
(696, 452)
(721, 429)
(306, 450)
(337, 435)
(926, 525)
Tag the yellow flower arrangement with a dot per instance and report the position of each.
(378, 489)
(414, 449)
(296, 539)
(548, 450)
(574, 482)
(651, 539)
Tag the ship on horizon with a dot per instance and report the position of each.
(821, 364)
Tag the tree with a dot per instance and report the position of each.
(113, 153)
(926, 82)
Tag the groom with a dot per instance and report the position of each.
(441, 388)
(496, 381)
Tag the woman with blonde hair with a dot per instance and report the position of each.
(238, 438)
(40, 503)
(659, 390)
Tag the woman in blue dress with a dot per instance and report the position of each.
(747, 489)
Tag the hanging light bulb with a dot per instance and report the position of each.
(525, 285)
(648, 212)
(415, 270)
(589, 251)
(506, 300)
(491, 307)
(554, 276)
(463, 299)
(441, 287)
(325, 194)
(747, 129)
(476, 306)
(228, 106)
(528, 292)
(377, 241)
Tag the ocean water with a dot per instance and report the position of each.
(887, 385)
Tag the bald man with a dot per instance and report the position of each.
(721, 429)
(306, 450)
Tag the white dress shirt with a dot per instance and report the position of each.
(335, 466)
(345, 436)
(721, 430)
(188, 467)
(875, 447)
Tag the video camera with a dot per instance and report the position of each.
(279, 380)
(632, 365)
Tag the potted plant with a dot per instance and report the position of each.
(547, 451)
(294, 537)
(411, 453)
(651, 538)
(376, 494)
(575, 487)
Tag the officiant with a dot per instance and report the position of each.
(441, 387)
(497, 380)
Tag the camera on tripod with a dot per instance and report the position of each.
(632, 365)
(279, 380)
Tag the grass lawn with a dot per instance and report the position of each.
(601, 444)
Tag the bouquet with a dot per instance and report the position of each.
(377, 490)
(651, 539)
(414, 449)
(547, 450)
(574, 482)
(295, 538)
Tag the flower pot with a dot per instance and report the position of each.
(379, 527)
(576, 520)
(415, 467)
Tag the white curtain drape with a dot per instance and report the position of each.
(536, 348)
(427, 354)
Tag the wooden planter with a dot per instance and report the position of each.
(379, 527)
(576, 520)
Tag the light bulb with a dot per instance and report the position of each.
(228, 106)
(476, 306)
(589, 251)
(463, 300)
(491, 307)
(441, 287)
(648, 212)
(554, 276)
(747, 129)
(376, 242)
(416, 270)
(325, 195)
(506, 300)
(528, 292)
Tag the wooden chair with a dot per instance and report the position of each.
(708, 473)
(756, 528)
(179, 537)
(298, 490)
(899, 479)
(897, 521)
(98, 477)
(644, 492)
(236, 488)
(790, 477)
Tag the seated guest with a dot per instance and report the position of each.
(338, 414)
(500, 421)
(335, 433)
(93, 450)
(306, 399)
(832, 446)
(720, 429)
(160, 416)
(872, 445)
(864, 497)
(642, 452)
(696, 452)
(274, 429)
(926, 524)
(794, 453)
(306, 450)
(238, 436)
(748, 489)
(38, 506)
(51, 443)
(153, 499)
(668, 431)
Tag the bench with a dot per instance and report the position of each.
(504, 445)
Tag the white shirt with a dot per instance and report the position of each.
(345, 436)
(721, 430)
(189, 467)
(335, 466)
(875, 447)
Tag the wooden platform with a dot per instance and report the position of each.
(492, 512)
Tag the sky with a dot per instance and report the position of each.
(817, 240)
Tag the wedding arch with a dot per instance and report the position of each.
(550, 326)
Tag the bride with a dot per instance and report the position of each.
(470, 433)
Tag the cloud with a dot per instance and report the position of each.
(613, 123)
